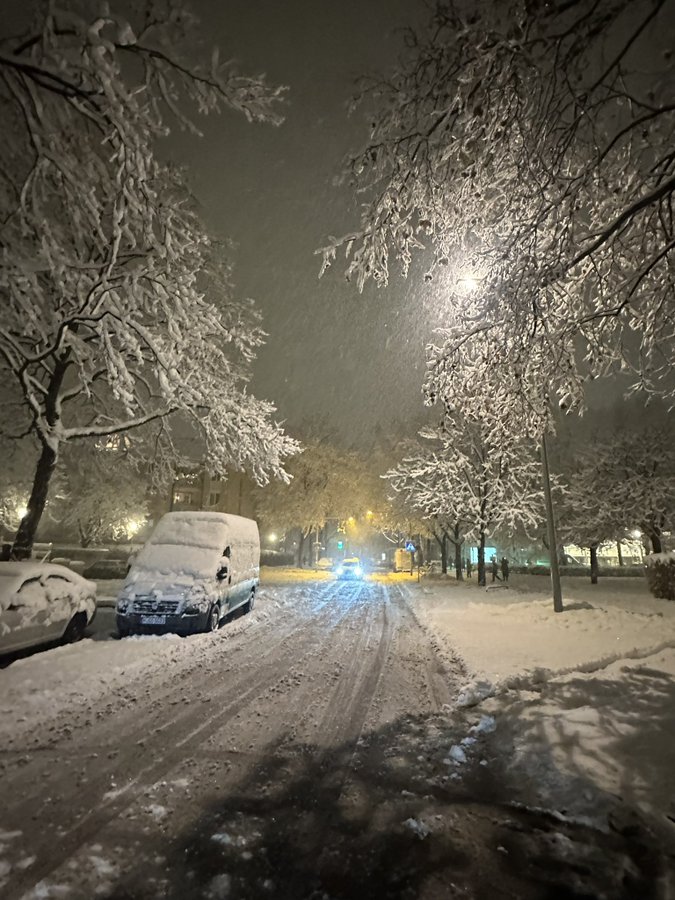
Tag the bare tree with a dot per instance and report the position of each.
(108, 322)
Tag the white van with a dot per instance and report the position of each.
(195, 569)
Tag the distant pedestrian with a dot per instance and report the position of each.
(469, 568)
(495, 569)
(505, 569)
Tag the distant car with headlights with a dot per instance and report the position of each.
(41, 603)
(349, 570)
(195, 569)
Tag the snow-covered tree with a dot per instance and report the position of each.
(632, 476)
(109, 321)
(420, 480)
(330, 487)
(584, 517)
(529, 147)
(103, 495)
(477, 477)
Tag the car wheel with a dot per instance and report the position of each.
(123, 632)
(214, 618)
(251, 602)
(75, 629)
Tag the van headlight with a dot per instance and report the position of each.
(195, 601)
(123, 605)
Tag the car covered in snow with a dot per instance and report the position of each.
(349, 569)
(195, 569)
(41, 603)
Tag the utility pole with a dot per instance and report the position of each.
(552, 537)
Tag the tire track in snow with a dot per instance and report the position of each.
(187, 730)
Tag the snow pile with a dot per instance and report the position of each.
(474, 693)
(518, 635)
(418, 828)
(585, 699)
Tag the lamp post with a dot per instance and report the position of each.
(550, 523)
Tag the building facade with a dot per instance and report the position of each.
(199, 491)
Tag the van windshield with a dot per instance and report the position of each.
(176, 560)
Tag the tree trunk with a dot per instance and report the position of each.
(551, 529)
(442, 542)
(25, 536)
(458, 554)
(86, 535)
(619, 553)
(301, 547)
(594, 563)
(654, 535)
(481, 559)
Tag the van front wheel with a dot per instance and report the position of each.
(214, 618)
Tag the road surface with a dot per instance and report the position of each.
(304, 751)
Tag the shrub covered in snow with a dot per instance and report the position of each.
(660, 568)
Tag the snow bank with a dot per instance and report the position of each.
(585, 699)
(518, 635)
(36, 689)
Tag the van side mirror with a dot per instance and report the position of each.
(221, 574)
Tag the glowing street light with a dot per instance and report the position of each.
(133, 526)
(469, 283)
(272, 538)
(21, 511)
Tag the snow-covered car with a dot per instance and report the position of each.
(349, 570)
(325, 563)
(43, 602)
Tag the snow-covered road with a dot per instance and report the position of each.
(311, 748)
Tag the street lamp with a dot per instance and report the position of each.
(468, 283)
(550, 523)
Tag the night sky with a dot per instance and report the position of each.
(356, 359)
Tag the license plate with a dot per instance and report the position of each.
(153, 620)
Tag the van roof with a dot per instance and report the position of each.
(189, 544)
(202, 528)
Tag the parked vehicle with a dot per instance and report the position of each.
(403, 560)
(42, 602)
(349, 570)
(195, 569)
